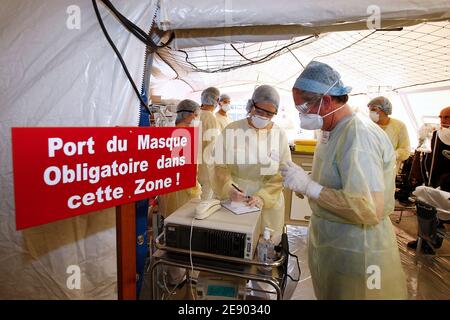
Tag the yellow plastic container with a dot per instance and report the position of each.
(308, 146)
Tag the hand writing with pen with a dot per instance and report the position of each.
(238, 195)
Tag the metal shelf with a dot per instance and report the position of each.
(225, 265)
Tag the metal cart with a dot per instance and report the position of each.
(223, 265)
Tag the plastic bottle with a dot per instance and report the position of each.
(266, 249)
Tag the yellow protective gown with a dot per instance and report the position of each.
(222, 120)
(209, 131)
(352, 247)
(257, 174)
(398, 134)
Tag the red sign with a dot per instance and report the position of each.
(64, 172)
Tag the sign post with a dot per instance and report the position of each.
(126, 253)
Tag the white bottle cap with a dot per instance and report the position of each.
(266, 234)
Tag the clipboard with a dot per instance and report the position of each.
(239, 207)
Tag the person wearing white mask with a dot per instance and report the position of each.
(350, 192)
(439, 162)
(188, 114)
(436, 165)
(263, 146)
(221, 115)
(210, 129)
(380, 111)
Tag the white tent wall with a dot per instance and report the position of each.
(51, 75)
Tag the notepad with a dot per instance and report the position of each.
(239, 207)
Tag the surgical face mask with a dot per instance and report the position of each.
(195, 122)
(310, 121)
(444, 135)
(260, 122)
(374, 116)
(314, 121)
(226, 107)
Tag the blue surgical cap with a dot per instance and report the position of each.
(209, 96)
(266, 93)
(224, 97)
(381, 102)
(318, 77)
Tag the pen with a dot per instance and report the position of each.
(248, 197)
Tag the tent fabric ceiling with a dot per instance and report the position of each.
(213, 14)
(416, 55)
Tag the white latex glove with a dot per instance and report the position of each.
(237, 196)
(256, 201)
(296, 179)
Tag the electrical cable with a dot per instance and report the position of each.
(283, 247)
(298, 266)
(190, 257)
(130, 26)
(432, 159)
(340, 50)
(137, 32)
(119, 56)
(424, 178)
(165, 285)
(170, 293)
(239, 53)
(260, 60)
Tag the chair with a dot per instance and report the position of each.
(403, 192)
(403, 206)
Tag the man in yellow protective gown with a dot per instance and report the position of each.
(221, 115)
(248, 154)
(352, 248)
(210, 129)
(380, 109)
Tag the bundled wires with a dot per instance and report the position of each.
(144, 37)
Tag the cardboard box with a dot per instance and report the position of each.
(308, 146)
(155, 99)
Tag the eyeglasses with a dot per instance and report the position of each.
(374, 108)
(196, 112)
(262, 112)
(305, 106)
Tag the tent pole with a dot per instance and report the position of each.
(404, 98)
(126, 253)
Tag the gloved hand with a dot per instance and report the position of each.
(296, 179)
(237, 196)
(256, 201)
